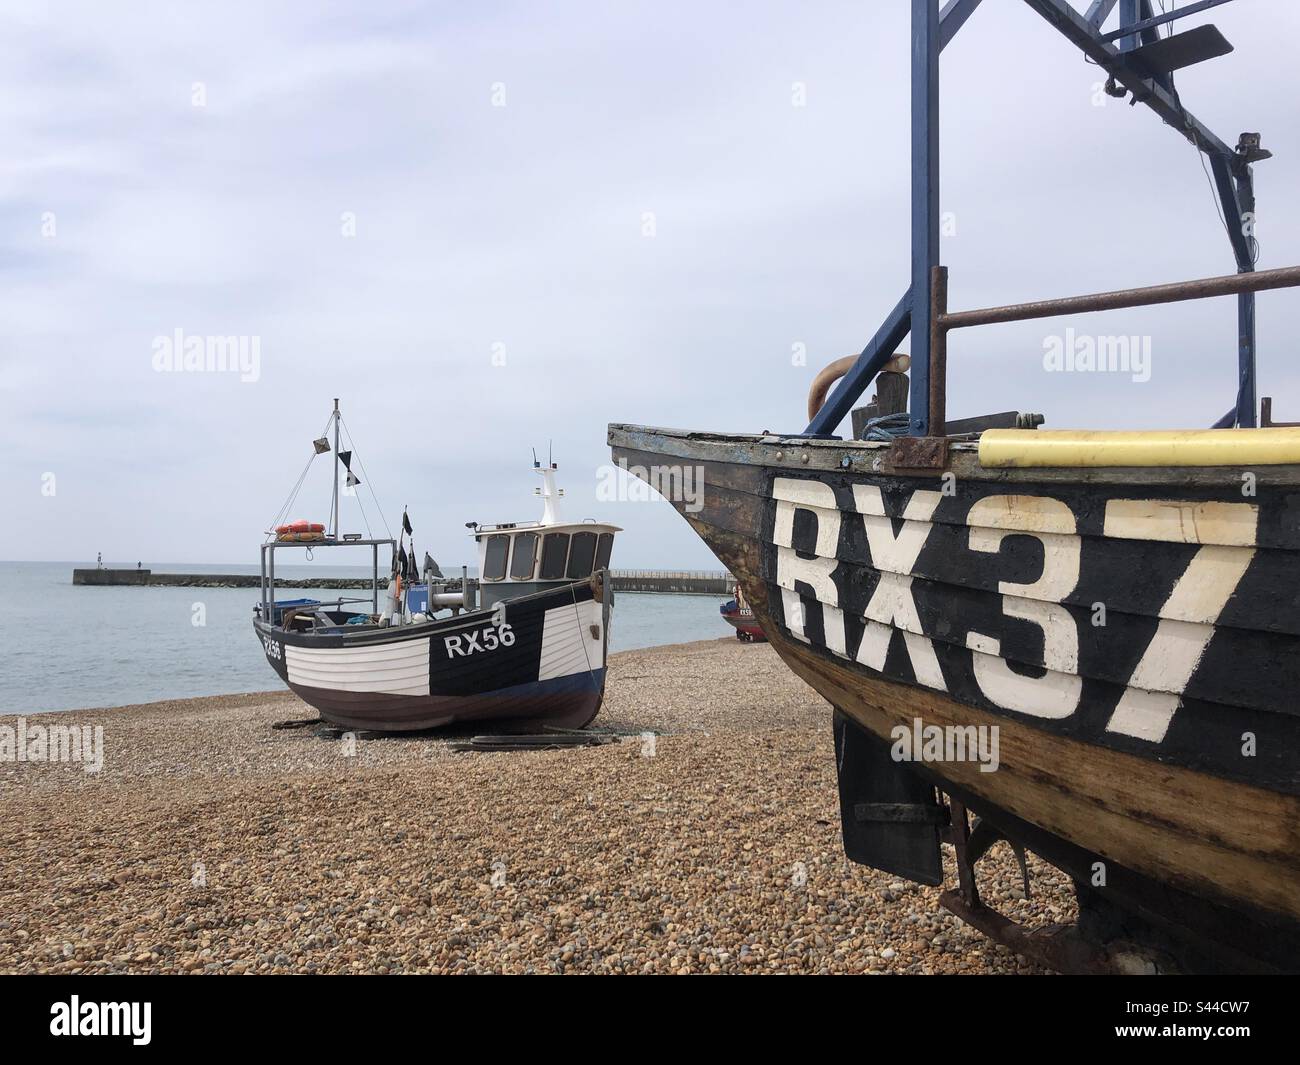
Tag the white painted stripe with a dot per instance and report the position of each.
(1182, 521)
(568, 646)
(393, 669)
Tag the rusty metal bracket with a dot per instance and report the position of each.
(1057, 947)
(926, 453)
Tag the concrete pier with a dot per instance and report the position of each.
(680, 582)
(110, 576)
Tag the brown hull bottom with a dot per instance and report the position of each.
(570, 704)
(1173, 881)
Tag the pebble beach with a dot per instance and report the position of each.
(212, 842)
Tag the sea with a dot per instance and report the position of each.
(65, 647)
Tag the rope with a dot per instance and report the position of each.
(368, 482)
(283, 511)
(887, 427)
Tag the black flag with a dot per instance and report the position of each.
(406, 524)
(345, 457)
(431, 567)
(401, 561)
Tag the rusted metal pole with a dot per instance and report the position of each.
(938, 352)
(1202, 288)
(960, 835)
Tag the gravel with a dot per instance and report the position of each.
(212, 843)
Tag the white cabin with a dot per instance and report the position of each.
(517, 558)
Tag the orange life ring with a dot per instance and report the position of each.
(300, 527)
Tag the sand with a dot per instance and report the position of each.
(210, 842)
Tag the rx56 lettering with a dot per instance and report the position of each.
(468, 643)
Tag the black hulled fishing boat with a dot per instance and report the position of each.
(522, 645)
(1083, 643)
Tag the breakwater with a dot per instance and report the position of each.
(679, 582)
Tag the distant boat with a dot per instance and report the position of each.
(523, 645)
(736, 612)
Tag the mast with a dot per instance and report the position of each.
(335, 501)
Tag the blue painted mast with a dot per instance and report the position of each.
(925, 201)
(931, 31)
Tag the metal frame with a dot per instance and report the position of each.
(917, 311)
(268, 566)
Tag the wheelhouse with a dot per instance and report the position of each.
(518, 558)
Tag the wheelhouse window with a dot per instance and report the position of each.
(581, 555)
(524, 559)
(603, 548)
(555, 549)
(494, 558)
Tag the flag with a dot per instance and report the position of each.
(401, 561)
(431, 567)
(345, 457)
(406, 524)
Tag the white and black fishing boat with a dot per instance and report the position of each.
(522, 645)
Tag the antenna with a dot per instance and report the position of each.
(335, 493)
(536, 464)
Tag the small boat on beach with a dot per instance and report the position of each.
(522, 645)
(1082, 643)
(736, 612)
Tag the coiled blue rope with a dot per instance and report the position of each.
(887, 427)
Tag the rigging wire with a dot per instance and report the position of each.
(368, 482)
(283, 512)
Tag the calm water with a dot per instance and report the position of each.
(65, 647)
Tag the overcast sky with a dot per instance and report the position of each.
(396, 198)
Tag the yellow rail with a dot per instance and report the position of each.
(1171, 447)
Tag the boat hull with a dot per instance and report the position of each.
(745, 624)
(534, 661)
(1162, 743)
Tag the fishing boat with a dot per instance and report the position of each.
(736, 612)
(521, 646)
(1083, 643)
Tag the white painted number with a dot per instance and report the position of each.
(1056, 693)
